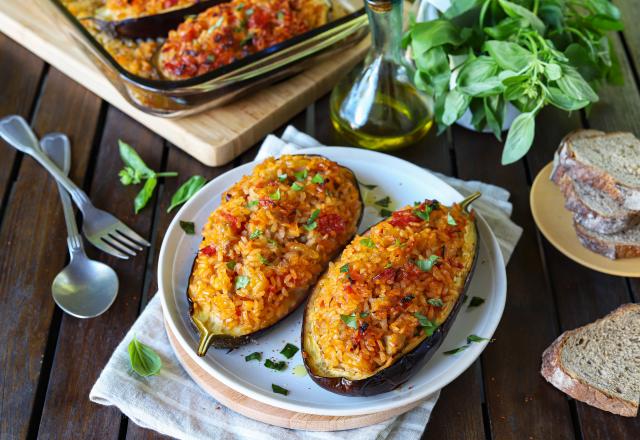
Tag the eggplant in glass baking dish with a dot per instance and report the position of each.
(385, 305)
(267, 243)
(165, 77)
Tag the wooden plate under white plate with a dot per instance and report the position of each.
(556, 223)
(270, 414)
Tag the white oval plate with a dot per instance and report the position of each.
(404, 183)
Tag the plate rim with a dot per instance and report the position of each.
(544, 228)
(470, 355)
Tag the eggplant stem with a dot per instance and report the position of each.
(470, 199)
(205, 336)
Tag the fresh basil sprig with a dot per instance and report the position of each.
(187, 190)
(144, 360)
(484, 54)
(135, 171)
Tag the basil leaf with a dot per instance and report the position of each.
(476, 301)
(509, 56)
(429, 34)
(301, 175)
(451, 220)
(367, 242)
(434, 65)
(296, 186)
(131, 158)
(143, 359)
(574, 86)
(318, 179)
(428, 326)
(188, 227)
(455, 105)
(385, 213)
(289, 351)
(264, 260)
(242, 281)
(435, 302)
(456, 350)
(350, 320)
(427, 265)
(276, 195)
(505, 28)
(252, 203)
(255, 356)
(255, 234)
(187, 190)
(519, 139)
(478, 77)
(145, 194)
(557, 98)
(494, 113)
(314, 215)
(384, 202)
(474, 338)
(279, 390)
(279, 366)
(459, 7)
(515, 10)
(552, 71)
(282, 177)
(344, 268)
(364, 314)
(231, 265)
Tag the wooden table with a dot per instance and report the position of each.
(49, 360)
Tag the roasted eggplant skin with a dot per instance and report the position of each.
(152, 26)
(408, 364)
(224, 341)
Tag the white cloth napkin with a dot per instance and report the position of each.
(172, 404)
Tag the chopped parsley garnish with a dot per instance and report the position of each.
(388, 265)
(252, 203)
(350, 320)
(211, 58)
(428, 326)
(289, 351)
(311, 222)
(272, 242)
(301, 175)
(296, 186)
(476, 301)
(231, 265)
(451, 220)
(385, 213)
(279, 366)
(239, 7)
(279, 390)
(426, 265)
(425, 214)
(242, 281)
(407, 299)
(275, 195)
(282, 177)
(256, 356)
(470, 340)
(435, 302)
(318, 179)
(188, 227)
(367, 185)
(280, 15)
(367, 242)
(344, 268)
(264, 261)
(255, 234)
(364, 314)
(249, 12)
(384, 202)
(399, 243)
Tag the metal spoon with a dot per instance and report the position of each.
(85, 288)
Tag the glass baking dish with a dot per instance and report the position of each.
(184, 97)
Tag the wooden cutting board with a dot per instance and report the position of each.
(270, 414)
(214, 137)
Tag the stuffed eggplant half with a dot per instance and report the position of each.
(266, 245)
(384, 306)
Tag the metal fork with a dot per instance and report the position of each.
(101, 229)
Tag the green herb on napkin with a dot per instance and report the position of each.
(144, 360)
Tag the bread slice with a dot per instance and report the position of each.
(608, 162)
(559, 168)
(595, 210)
(598, 363)
(625, 244)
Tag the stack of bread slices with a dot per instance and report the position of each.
(599, 176)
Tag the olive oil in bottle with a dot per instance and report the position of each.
(379, 107)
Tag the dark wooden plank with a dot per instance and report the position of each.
(630, 15)
(20, 73)
(84, 346)
(517, 397)
(34, 240)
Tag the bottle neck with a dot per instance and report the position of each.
(385, 21)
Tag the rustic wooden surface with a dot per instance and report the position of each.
(49, 361)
